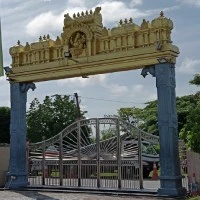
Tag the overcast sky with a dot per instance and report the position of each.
(26, 20)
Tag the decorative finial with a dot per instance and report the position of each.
(40, 38)
(86, 13)
(78, 15)
(161, 14)
(126, 21)
(82, 13)
(131, 20)
(44, 37)
(74, 15)
(48, 36)
(120, 22)
(18, 42)
(91, 12)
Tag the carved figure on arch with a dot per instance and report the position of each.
(77, 43)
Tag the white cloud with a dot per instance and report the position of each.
(137, 88)
(4, 92)
(112, 11)
(83, 107)
(116, 89)
(83, 82)
(3, 81)
(116, 10)
(136, 3)
(76, 3)
(189, 66)
(96, 80)
(52, 22)
(43, 22)
(191, 2)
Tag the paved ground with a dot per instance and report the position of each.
(36, 195)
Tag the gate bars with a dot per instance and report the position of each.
(99, 164)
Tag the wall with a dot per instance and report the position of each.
(193, 163)
(4, 162)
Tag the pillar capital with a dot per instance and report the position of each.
(24, 87)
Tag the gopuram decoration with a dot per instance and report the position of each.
(95, 49)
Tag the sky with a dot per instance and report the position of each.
(105, 94)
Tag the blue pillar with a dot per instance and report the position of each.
(170, 178)
(17, 175)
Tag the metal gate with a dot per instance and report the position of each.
(92, 153)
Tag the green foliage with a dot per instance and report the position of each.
(146, 117)
(196, 80)
(190, 132)
(184, 106)
(188, 111)
(4, 125)
(50, 117)
(108, 133)
(194, 198)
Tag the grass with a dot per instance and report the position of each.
(194, 198)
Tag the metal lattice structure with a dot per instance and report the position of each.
(81, 155)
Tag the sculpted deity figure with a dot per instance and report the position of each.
(78, 41)
(77, 44)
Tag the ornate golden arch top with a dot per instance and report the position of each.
(95, 48)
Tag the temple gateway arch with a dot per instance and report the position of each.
(85, 47)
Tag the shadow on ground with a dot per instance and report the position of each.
(35, 195)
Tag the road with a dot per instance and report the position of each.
(28, 195)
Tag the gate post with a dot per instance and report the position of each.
(140, 160)
(61, 158)
(98, 152)
(79, 152)
(17, 175)
(43, 160)
(170, 178)
(118, 154)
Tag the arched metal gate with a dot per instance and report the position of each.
(94, 153)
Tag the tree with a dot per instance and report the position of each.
(4, 125)
(190, 132)
(108, 133)
(196, 80)
(50, 117)
(147, 116)
(188, 112)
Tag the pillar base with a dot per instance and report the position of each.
(175, 192)
(172, 186)
(16, 181)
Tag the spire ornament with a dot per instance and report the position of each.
(161, 13)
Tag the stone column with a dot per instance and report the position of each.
(89, 49)
(171, 179)
(17, 175)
